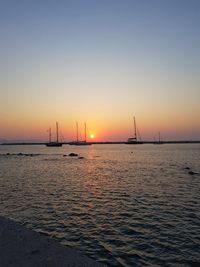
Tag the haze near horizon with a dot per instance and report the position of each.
(100, 62)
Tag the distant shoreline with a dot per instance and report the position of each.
(102, 143)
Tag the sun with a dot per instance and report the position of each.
(92, 136)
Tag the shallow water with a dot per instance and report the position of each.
(122, 205)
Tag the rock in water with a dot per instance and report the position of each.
(73, 155)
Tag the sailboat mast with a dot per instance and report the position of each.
(159, 137)
(85, 132)
(135, 128)
(57, 132)
(77, 131)
(49, 135)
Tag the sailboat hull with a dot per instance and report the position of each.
(79, 143)
(158, 143)
(53, 144)
(133, 142)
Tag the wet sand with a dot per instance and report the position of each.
(20, 247)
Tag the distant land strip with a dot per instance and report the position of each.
(103, 143)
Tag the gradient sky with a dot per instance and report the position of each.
(100, 61)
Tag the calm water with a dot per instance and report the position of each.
(122, 205)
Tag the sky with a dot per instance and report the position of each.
(100, 62)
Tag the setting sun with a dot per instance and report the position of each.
(92, 136)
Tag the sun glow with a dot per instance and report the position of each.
(92, 136)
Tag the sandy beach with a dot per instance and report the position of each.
(20, 247)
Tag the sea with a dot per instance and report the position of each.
(122, 205)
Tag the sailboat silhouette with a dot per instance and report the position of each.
(134, 140)
(53, 143)
(159, 142)
(80, 142)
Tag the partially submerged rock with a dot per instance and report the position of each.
(73, 155)
(192, 173)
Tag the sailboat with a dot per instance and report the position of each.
(80, 142)
(159, 142)
(53, 143)
(134, 140)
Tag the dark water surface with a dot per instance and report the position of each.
(122, 205)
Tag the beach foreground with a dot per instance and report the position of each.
(20, 246)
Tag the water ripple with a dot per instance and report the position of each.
(118, 207)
